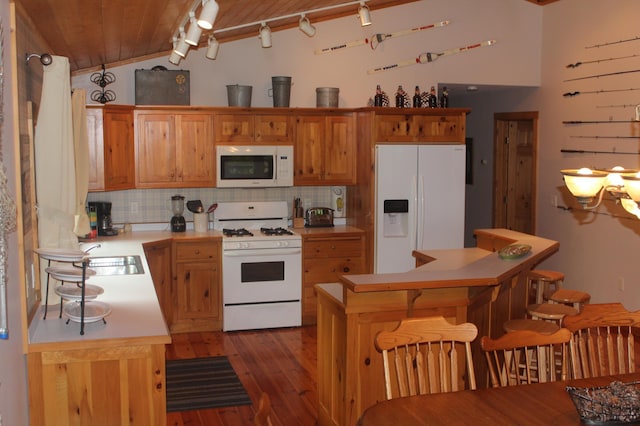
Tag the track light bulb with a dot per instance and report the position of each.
(306, 27)
(265, 35)
(208, 14)
(212, 50)
(182, 48)
(193, 35)
(174, 58)
(365, 15)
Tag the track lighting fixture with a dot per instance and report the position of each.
(212, 50)
(265, 35)
(208, 14)
(182, 47)
(193, 35)
(306, 27)
(365, 15)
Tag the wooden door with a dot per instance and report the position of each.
(274, 129)
(339, 150)
(155, 150)
(197, 291)
(195, 151)
(515, 163)
(119, 165)
(95, 138)
(308, 158)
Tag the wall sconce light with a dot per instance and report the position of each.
(623, 184)
(193, 35)
(306, 27)
(208, 14)
(265, 35)
(182, 47)
(214, 46)
(365, 15)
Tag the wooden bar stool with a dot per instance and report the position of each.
(551, 312)
(542, 327)
(570, 297)
(542, 281)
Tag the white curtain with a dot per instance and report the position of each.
(81, 144)
(55, 159)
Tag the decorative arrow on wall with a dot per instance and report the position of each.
(424, 58)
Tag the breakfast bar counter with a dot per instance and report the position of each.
(475, 285)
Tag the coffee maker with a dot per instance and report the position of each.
(178, 224)
(103, 216)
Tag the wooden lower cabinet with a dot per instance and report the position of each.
(116, 384)
(158, 255)
(325, 258)
(196, 286)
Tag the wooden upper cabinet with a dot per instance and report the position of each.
(325, 150)
(249, 128)
(110, 132)
(421, 126)
(174, 150)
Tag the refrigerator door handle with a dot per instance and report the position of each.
(419, 211)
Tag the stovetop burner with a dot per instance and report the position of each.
(236, 232)
(275, 231)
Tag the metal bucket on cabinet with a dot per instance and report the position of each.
(239, 95)
(281, 88)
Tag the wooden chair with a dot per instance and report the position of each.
(525, 357)
(602, 341)
(264, 410)
(426, 356)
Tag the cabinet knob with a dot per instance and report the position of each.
(367, 361)
(346, 269)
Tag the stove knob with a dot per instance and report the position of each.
(283, 243)
(244, 245)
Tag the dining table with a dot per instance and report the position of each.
(532, 404)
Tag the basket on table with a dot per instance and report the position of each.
(617, 403)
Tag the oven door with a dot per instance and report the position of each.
(261, 276)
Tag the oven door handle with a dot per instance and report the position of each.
(261, 252)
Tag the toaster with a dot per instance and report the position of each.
(316, 217)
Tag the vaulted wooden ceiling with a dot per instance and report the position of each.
(112, 32)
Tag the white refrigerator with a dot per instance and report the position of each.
(420, 202)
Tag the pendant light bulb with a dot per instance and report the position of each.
(364, 14)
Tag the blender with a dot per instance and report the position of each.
(178, 223)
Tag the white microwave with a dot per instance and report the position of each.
(257, 166)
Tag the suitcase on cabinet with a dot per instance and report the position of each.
(160, 86)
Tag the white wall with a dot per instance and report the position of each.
(595, 250)
(514, 24)
(13, 385)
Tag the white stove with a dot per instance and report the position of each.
(261, 266)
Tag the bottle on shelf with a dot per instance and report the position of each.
(400, 96)
(377, 99)
(433, 98)
(444, 98)
(417, 99)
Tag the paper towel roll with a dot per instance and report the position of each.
(201, 222)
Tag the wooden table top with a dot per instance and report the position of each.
(535, 404)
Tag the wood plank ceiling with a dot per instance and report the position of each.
(114, 32)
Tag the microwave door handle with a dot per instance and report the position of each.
(259, 252)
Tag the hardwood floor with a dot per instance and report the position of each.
(281, 362)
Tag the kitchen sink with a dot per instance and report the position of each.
(116, 265)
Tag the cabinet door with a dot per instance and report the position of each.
(393, 128)
(155, 150)
(339, 151)
(195, 150)
(158, 255)
(95, 138)
(119, 167)
(197, 291)
(274, 129)
(439, 128)
(308, 157)
(234, 128)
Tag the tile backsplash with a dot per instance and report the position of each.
(154, 205)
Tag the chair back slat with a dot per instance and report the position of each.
(525, 356)
(418, 368)
(603, 340)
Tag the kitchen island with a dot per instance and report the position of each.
(115, 372)
(463, 285)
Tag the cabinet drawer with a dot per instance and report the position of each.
(335, 247)
(328, 271)
(196, 251)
